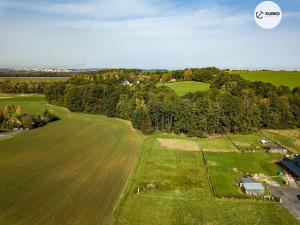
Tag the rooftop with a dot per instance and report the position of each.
(292, 165)
(253, 186)
(248, 180)
(278, 147)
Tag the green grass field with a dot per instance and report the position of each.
(34, 79)
(287, 138)
(218, 143)
(248, 141)
(181, 193)
(226, 168)
(68, 172)
(73, 171)
(184, 87)
(287, 78)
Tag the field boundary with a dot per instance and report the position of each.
(211, 187)
(232, 142)
(128, 184)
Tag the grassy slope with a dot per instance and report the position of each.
(182, 194)
(184, 87)
(287, 78)
(68, 172)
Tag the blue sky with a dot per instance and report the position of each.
(148, 34)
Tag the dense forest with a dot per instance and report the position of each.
(13, 117)
(232, 104)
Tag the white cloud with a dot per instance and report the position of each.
(144, 34)
(92, 8)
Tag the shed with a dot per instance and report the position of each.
(253, 188)
(276, 149)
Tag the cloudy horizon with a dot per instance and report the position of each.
(146, 34)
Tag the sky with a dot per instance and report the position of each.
(146, 34)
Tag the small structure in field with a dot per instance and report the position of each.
(292, 166)
(264, 142)
(251, 187)
(126, 82)
(276, 149)
(173, 80)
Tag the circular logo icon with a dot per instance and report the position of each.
(268, 15)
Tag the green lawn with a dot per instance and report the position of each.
(219, 143)
(68, 172)
(248, 141)
(287, 78)
(184, 87)
(182, 196)
(226, 168)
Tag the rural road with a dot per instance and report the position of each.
(289, 198)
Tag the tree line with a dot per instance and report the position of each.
(36, 74)
(232, 104)
(13, 117)
(22, 87)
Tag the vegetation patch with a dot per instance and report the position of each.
(219, 143)
(278, 78)
(184, 87)
(180, 144)
(182, 195)
(289, 138)
(248, 142)
(233, 166)
(68, 172)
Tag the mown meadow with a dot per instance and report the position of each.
(183, 87)
(287, 78)
(69, 172)
(171, 187)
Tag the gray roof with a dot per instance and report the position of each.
(248, 180)
(277, 147)
(292, 166)
(253, 186)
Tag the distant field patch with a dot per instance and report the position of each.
(248, 141)
(179, 144)
(287, 78)
(216, 144)
(184, 87)
(289, 138)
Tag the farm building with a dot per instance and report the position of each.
(251, 187)
(276, 149)
(292, 166)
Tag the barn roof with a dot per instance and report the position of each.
(293, 165)
(247, 180)
(277, 147)
(253, 186)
